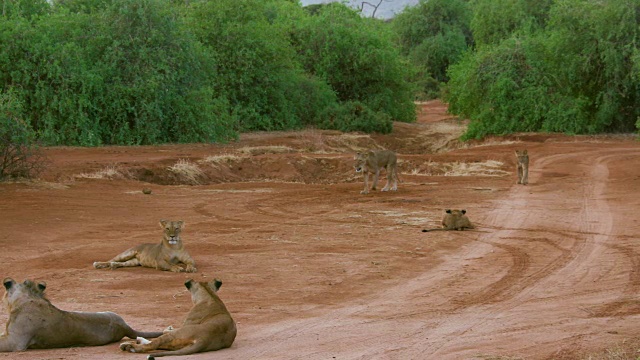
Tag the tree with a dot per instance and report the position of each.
(357, 57)
(19, 153)
(433, 35)
(575, 75)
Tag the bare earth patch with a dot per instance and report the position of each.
(311, 269)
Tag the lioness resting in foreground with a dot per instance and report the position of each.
(373, 161)
(34, 323)
(454, 220)
(522, 166)
(167, 255)
(208, 326)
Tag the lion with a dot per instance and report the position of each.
(454, 220)
(34, 323)
(167, 255)
(208, 326)
(373, 161)
(522, 166)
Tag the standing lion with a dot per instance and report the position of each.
(522, 166)
(169, 254)
(371, 162)
(34, 323)
(208, 326)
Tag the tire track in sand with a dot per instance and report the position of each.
(519, 300)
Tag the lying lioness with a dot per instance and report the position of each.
(166, 255)
(454, 220)
(36, 324)
(208, 326)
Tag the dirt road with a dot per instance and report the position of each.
(311, 269)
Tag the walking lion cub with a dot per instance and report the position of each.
(208, 326)
(167, 255)
(522, 166)
(373, 161)
(34, 323)
(454, 220)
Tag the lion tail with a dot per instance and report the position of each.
(187, 350)
(146, 334)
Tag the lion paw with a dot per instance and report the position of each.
(127, 346)
(176, 268)
(365, 192)
(191, 269)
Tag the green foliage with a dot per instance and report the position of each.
(25, 9)
(357, 58)
(19, 153)
(433, 35)
(496, 20)
(255, 64)
(576, 75)
(132, 74)
(356, 116)
(97, 72)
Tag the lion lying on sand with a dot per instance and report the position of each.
(34, 323)
(454, 220)
(208, 326)
(167, 255)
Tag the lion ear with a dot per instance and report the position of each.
(463, 211)
(188, 283)
(163, 223)
(42, 285)
(524, 152)
(448, 211)
(8, 283)
(180, 223)
(215, 284)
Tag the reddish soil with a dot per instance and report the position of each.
(314, 270)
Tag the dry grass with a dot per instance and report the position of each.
(187, 171)
(223, 158)
(260, 150)
(625, 350)
(486, 168)
(490, 142)
(351, 143)
(109, 172)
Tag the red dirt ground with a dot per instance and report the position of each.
(314, 270)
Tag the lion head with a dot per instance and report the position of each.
(27, 289)
(172, 231)
(361, 161)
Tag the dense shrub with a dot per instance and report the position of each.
(496, 20)
(356, 56)
(356, 116)
(19, 153)
(255, 62)
(576, 75)
(433, 35)
(131, 74)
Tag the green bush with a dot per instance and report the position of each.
(20, 155)
(255, 63)
(129, 74)
(575, 76)
(356, 116)
(357, 57)
(433, 35)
